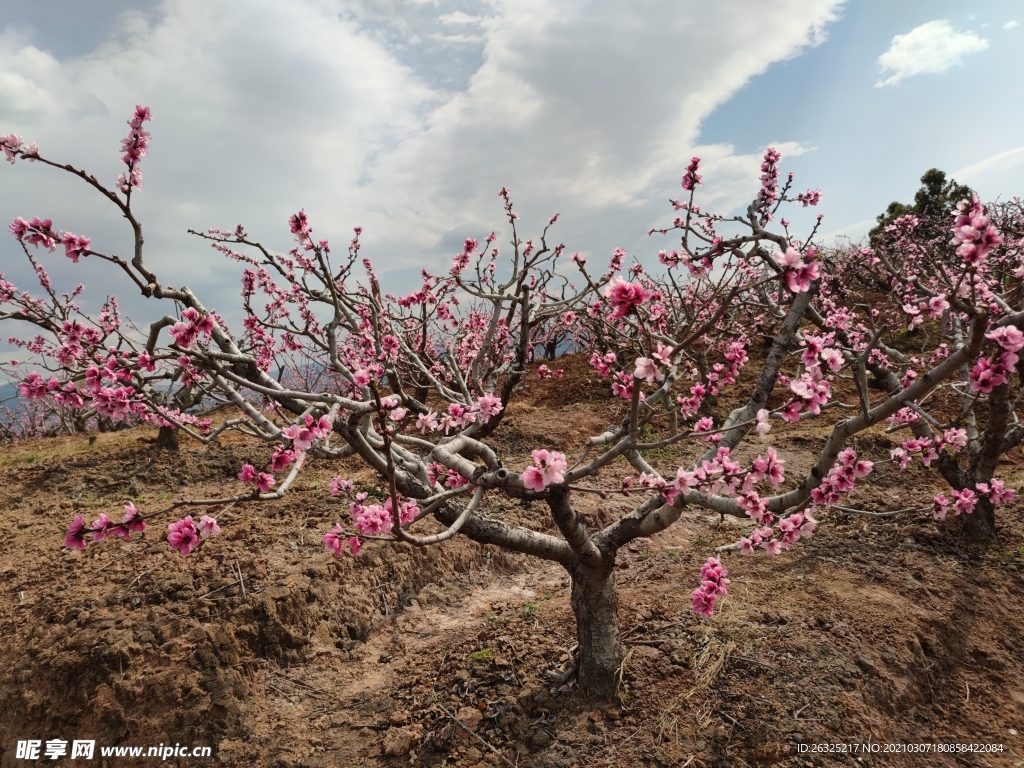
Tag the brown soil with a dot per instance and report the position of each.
(878, 630)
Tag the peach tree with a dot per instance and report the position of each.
(415, 385)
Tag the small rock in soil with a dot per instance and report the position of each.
(540, 739)
(470, 717)
(397, 742)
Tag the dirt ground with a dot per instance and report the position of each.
(877, 631)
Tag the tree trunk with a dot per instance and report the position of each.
(595, 601)
(167, 439)
(980, 526)
(78, 424)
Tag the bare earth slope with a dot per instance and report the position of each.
(877, 630)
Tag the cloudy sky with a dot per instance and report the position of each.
(407, 116)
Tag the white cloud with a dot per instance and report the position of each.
(474, 39)
(260, 108)
(592, 105)
(1010, 25)
(459, 18)
(931, 48)
(1001, 161)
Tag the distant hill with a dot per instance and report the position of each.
(9, 396)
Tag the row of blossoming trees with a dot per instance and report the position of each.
(415, 385)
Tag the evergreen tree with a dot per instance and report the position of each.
(934, 203)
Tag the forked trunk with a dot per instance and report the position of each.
(980, 526)
(595, 601)
(167, 439)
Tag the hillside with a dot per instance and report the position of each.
(275, 653)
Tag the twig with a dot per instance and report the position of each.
(652, 630)
(476, 736)
(313, 690)
(241, 578)
(271, 685)
(383, 596)
(752, 660)
(137, 578)
(214, 591)
(869, 513)
(634, 733)
(733, 720)
(440, 666)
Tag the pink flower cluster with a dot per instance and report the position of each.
(798, 272)
(719, 475)
(38, 232)
(818, 349)
(688, 406)
(673, 258)
(103, 526)
(548, 468)
(284, 457)
(964, 501)
(720, 375)
(135, 147)
(299, 226)
(929, 448)
(769, 191)
(989, 373)
(339, 485)
(185, 534)
(690, 179)
(452, 479)
(12, 144)
(304, 435)
(935, 307)
(772, 468)
(841, 478)
(462, 260)
(35, 387)
(546, 373)
(624, 296)
(812, 391)
(261, 481)
(602, 363)
(622, 386)
(336, 540)
(723, 475)
(713, 584)
(116, 401)
(800, 525)
(486, 407)
(810, 197)
(763, 427)
(973, 233)
(377, 518)
(191, 325)
(649, 368)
